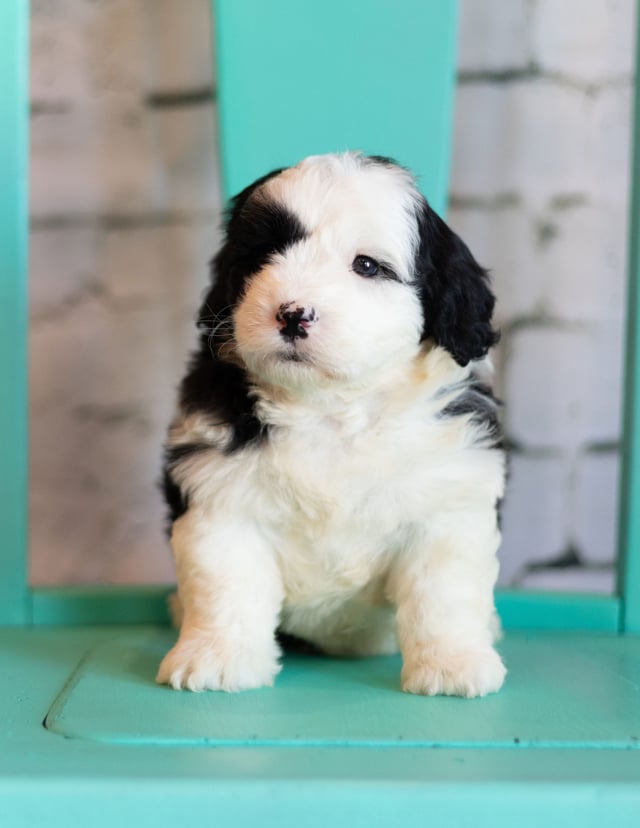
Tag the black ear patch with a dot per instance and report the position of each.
(457, 301)
(215, 386)
(256, 229)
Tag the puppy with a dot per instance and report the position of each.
(334, 468)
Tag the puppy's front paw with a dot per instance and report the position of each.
(438, 671)
(198, 664)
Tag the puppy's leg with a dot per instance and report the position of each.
(443, 586)
(231, 593)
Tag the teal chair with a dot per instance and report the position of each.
(85, 734)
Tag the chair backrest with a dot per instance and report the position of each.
(292, 81)
(296, 79)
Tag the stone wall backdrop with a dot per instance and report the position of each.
(125, 207)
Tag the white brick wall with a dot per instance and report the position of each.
(125, 204)
(540, 193)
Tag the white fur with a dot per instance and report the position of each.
(364, 521)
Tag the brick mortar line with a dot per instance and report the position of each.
(517, 448)
(559, 202)
(123, 221)
(179, 98)
(160, 99)
(499, 201)
(543, 321)
(204, 95)
(499, 77)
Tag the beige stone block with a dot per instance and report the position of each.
(62, 268)
(502, 238)
(120, 159)
(186, 158)
(98, 158)
(535, 522)
(562, 385)
(608, 129)
(581, 261)
(590, 40)
(106, 355)
(494, 36)
(596, 506)
(179, 45)
(102, 389)
(525, 137)
(84, 50)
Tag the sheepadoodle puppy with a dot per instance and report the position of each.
(334, 467)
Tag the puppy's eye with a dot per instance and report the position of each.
(365, 266)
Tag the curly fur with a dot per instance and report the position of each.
(334, 464)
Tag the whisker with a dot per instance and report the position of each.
(222, 325)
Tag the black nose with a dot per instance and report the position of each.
(295, 321)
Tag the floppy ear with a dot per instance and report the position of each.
(457, 301)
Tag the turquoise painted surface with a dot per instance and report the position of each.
(558, 693)
(14, 102)
(629, 524)
(522, 610)
(49, 780)
(297, 78)
(80, 606)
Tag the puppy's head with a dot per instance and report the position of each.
(337, 269)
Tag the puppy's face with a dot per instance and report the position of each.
(337, 269)
(336, 300)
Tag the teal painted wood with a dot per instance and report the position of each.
(14, 101)
(81, 606)
(522, 610)
(296, 78)
(558, 693)
(519, 610)
(46, 779)
(629, 525)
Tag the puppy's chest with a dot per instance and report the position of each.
(329, 509)
(324, 480)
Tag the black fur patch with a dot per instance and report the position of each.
(220, 390)
(177, 453)
(457, 302)
(381, 160)
(257, 228)
(177, 503)
(477, 399)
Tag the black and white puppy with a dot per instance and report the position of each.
(334, 466)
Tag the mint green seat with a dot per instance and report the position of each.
(86, 737)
